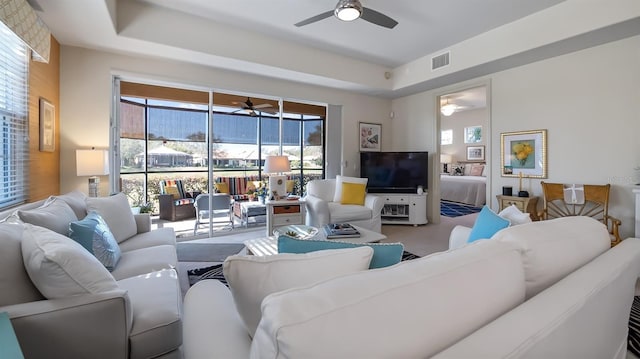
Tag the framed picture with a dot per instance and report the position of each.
(524, 153)
(47, 126)
(369, 136)
(475, 153)
(473, 134)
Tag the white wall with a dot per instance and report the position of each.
(457, 122)
(85, 93)
(589, 101)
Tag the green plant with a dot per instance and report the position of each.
(147, 207)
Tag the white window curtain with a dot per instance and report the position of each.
(14, 72)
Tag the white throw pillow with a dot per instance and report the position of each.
(115, 210)
(514, 215)
(60, 267)
(55, 214)
(337, 196)
(252, 278)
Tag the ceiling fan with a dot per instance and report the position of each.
(349, 10)
(251, 109)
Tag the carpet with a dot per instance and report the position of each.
(454, 209)
(207, 252)
(215, 271)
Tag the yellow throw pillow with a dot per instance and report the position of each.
(173, 191)
(353, 193)
(222, 187)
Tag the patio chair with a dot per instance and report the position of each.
(175, 203)
(220, 208)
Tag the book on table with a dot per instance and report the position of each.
(340, 230)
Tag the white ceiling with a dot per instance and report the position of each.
(258, 36)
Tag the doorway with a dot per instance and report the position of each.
(464, 151)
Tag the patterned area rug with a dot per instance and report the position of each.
(454, 209)
(215, 271)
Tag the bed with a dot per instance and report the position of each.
(470, 190)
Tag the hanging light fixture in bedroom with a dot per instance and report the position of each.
(448, 109)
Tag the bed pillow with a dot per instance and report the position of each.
(252, 278)
(486, 225)
(457, 170)
(476, 170)
(94, 235)
(384, 254)
(60, 267)
(337, 196)
(116, 212)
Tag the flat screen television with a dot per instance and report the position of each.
(394, 172)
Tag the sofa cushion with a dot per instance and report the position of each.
(145, 260)
(323, 189)
(545, 245)
(75, 200)
(414, 303)
(61, 267)
(55, 214)
(353, 193)
(94, 235)
(157, 237)
(15, 284)
(337, 196)
(384, 254)
(348, 212)
(251, 278)
(115, 210)
(486, 225)
(156, 305)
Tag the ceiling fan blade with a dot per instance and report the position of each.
(313, 19)
(378, 18)
(264, 105)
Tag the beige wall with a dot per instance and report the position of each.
(457, 122)
(589, 101)
(85, 92)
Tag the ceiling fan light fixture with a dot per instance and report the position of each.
(448, 109)
(348, 10)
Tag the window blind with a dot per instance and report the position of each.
(14, 153)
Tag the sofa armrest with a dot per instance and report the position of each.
(317, 211)
(459, 236)
(83, 326)
(143, 222)
(374, 203)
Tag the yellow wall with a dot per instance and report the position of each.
(44, 167)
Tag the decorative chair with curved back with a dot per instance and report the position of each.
(220, 208)
(562, 200)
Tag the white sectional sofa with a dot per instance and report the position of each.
(135, 311)
(551, 289)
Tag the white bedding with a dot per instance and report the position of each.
(471, 190)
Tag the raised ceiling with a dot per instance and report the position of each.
(258, 37)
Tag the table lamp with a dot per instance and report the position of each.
(277, 181)
(445, 159)
(92, 163)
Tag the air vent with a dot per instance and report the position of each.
(440, 61)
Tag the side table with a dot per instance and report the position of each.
(525, 204)
(284, 212)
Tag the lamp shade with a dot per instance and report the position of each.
(445, 158)
(92, 162)
(276, 164)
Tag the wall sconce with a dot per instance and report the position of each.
(92, 163)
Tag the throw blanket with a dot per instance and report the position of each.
(574, 193)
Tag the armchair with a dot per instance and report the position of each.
(322, 209)
(175, 203)
(592, 202)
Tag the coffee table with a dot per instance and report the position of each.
(269, 245)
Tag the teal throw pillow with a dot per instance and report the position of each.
(384, 254)
(487, 224)
(94, 235)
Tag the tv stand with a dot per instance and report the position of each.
(404, 208)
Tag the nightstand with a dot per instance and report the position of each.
(525, 204)
(284, 213)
